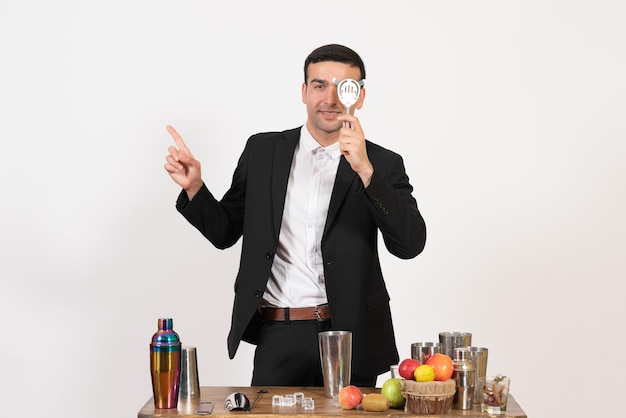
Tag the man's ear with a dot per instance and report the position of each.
(359, 103)
(304, 93)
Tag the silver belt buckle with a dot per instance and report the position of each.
(316, 312)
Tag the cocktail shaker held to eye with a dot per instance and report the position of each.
(165, 365)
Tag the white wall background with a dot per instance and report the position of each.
(510, 116)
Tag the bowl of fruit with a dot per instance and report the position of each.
(427, 388)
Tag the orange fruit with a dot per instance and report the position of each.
(442, 364)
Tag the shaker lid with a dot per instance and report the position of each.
(461, 353)
(165, 335)
(165, 324)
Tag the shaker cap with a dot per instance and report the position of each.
(165, 324)
(165, 336)
(461, 353)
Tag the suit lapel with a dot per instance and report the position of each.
(343, 181)
(283, 156)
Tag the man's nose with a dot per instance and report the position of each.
(331, 97)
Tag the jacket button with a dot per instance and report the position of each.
(258, 293)
(269, 255)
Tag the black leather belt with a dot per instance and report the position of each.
(319, 313)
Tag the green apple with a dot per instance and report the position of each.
(391, 390)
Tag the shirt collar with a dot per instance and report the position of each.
(308, 144)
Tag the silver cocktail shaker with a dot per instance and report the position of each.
(165, 365)
(464, 375)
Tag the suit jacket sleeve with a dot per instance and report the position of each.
(394, 208)
(221, 222)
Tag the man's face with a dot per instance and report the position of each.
(319, 94)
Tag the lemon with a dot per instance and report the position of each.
(424, 373)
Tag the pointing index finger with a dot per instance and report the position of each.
(177, 138)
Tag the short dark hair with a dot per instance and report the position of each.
(336, 53)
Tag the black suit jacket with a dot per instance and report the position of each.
(357, 296)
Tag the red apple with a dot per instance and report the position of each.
(350, 397)
(407, 367)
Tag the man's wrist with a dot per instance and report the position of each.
(193, 190)
(366, 176)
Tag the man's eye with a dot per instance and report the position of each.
(319, 86)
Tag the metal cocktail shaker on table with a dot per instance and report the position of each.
(464, 375)
(452, 340)
(479, 356)
(189, 383)
(336, 358)
(165, 365)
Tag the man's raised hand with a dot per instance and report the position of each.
(182, 167)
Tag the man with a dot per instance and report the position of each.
(309, 203)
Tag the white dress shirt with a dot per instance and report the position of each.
(297, 275)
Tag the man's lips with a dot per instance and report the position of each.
(330, 113)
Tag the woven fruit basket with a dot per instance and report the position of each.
(428, 398)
